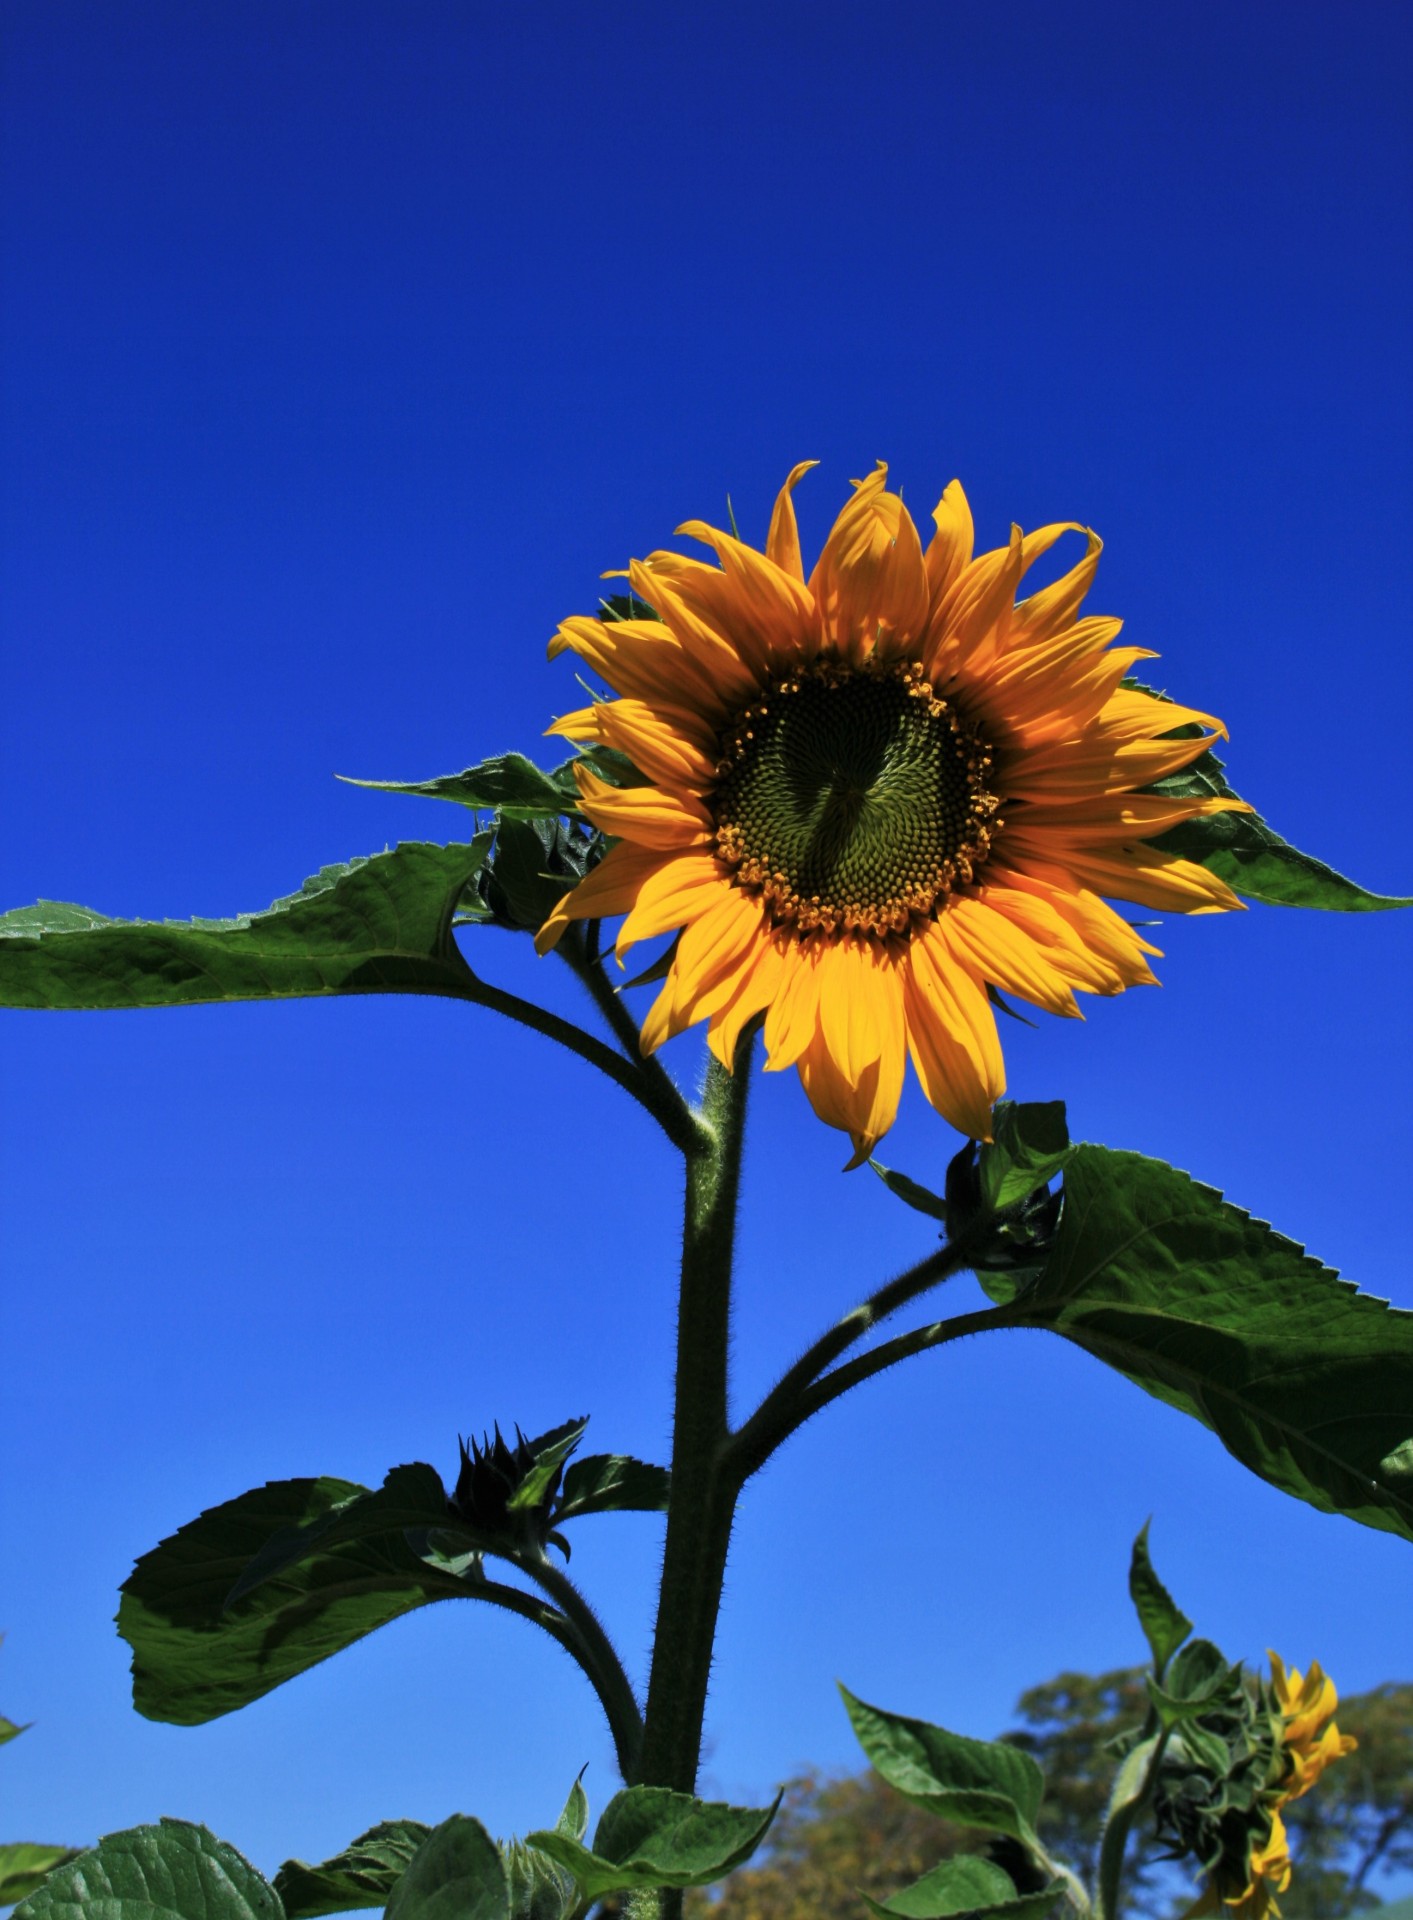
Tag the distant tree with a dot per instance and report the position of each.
(836, 1837)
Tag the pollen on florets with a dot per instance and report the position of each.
(852, 799)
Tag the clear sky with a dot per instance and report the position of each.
(343, 347)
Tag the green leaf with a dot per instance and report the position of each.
(507, 784)
(1306, 1380)
(174, 1871)
(977, 1783)
(652, 1837)
(910, 1192)
(456, 1874)
(9, 1731)
(960, 1888)
(612, 1483)
(381, 925)
(625, 606)
(23, 1865)
(1198, 1678)
(194, 1658)
(551, 1450)
(1250, 856)
(1030, 1146)
(410, 1497)
(574, 1816)
(363, 1875)
(1164, 1625)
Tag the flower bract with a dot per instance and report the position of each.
(877, 794)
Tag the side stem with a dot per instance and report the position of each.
(595, 1654)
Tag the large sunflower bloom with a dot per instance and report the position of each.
(1304, 1704)
(874, 793)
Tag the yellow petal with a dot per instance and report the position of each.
(782, 544)
(645, 815)
(958, 1064)
(949, 550)
(870, 582)
(680, 890)
(609, 889)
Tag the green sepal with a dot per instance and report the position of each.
(363, 1875)
(538, 1889)
(612, 1483)
(1165, 1626)
(977, 1783)
(1243, 850)
(456, 1874)
(1030, 1144)
(652, 1837)
(911, 1192)
(964, 1888)
(195, 1658)
(1306, 1380)
(24, 1865)
(624, 606)
(534, 864)
(551, 1451)
(380, 925)
(174, 1871)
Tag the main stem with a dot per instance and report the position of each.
(703, 1488)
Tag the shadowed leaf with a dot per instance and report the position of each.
(174, 1871)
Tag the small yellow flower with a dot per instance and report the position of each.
(876, 792)
(1309, 1742)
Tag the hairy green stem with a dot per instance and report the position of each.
(654, 1086)
(794, 1397)
(703, 1492)
(596, 1655)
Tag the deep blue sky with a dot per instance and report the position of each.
(343, 346)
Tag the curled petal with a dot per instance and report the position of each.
(782, 543)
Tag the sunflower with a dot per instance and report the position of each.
(1303, 1707)
(877, 795)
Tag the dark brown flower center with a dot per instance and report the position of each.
(852, 798)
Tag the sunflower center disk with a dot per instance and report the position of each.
(852, 799)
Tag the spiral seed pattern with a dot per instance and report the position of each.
(852, 799)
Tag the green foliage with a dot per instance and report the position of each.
(612, 1483)
(381, 925)
(456, 1874)
(174, 1871)
(507, 784)
(652, 1837)
(23, 1866)
(1030, 1145)
(1243, 850)
(1251, 856)
(363, 1875)
(1165, 1626)
(978, 1783)
(1306, 1380)
(195, 1657)
(961, 1888)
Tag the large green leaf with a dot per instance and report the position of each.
(1306, 1380)
(363, 1875)
(652, 1837)
(195, 1658)
(23, 1865)
(612, 1483)
(456, 1874)
(174, 1871)
(410, 1497)
(1250, 856)
(382, 925)
(977, 1783)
